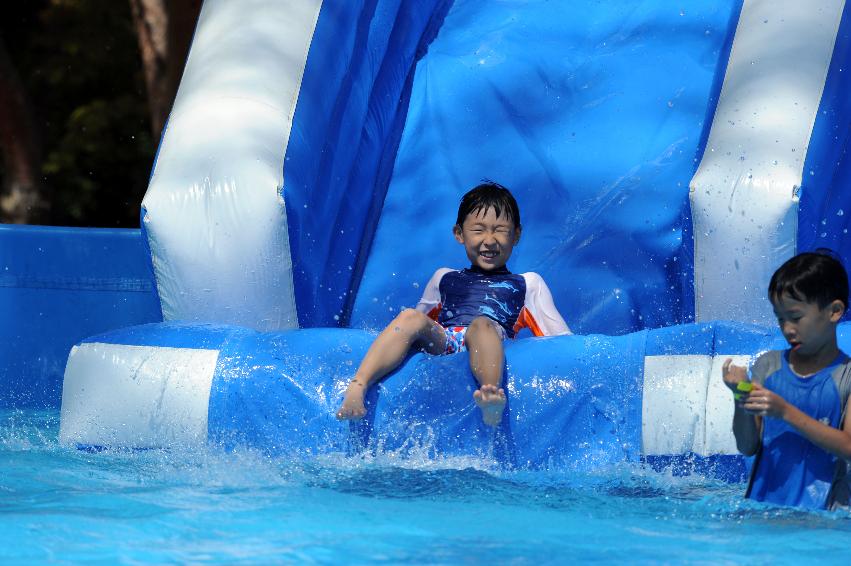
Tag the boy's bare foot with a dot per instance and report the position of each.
(352, 408)
(491, 401)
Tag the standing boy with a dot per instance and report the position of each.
(794, 418)
(473, 309)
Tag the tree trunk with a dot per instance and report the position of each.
(21, 197)
(164, 29)
(183, 15)
(151, 21)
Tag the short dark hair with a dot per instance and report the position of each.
(811, 277)
(489, 195)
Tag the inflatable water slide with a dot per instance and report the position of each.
(667, 157)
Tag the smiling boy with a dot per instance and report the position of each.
(472, 309)
(794, 418)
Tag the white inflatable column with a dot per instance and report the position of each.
(136, 396)
(744, 196)
(214, 213)
(686, 408)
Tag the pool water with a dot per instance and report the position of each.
(61, 505)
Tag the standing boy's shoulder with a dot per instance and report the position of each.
(766, 364)
(841, 375)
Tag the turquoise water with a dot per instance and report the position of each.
(61, 505)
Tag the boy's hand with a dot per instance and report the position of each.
(764, 403)
(733, 375)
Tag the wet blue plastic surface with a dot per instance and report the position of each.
(575, 402)
(345, 130)
(825, 206)
(58, 286)
(596, 130)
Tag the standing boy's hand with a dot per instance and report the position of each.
(746, 426)
(764, 403)
(733, 375)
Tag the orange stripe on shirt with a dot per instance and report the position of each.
(526, 320)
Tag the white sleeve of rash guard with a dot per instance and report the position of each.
(541, 308)
(430, 301)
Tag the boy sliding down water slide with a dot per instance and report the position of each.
(792, 414)
(473, 309)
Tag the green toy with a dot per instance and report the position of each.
(742, 388)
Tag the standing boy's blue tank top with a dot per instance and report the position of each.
(790, 469)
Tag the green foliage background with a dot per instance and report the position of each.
(80, 63)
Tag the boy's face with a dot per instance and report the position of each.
(487, 238)
(806, 327)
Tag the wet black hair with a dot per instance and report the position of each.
(489, 195)
(811, 277)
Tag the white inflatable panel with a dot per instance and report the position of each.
(686, 406)
(744, 195)
(674, 399)
(215, 218)
(136, 396)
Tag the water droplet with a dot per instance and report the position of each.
(840, 212)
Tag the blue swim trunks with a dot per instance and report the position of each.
(455, 339)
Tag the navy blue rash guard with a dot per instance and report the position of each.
(514, 301)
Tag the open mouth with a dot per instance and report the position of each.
(795, 345)
(488, 254)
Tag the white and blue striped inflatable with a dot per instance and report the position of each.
(666, 158)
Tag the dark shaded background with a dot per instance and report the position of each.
(85, 86)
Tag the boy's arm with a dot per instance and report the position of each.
(540, 314)
(747, 428)
(763, 401)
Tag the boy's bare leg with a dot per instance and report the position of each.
(409, 328)
(484, 343)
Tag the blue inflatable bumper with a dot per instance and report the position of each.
(575, 402)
